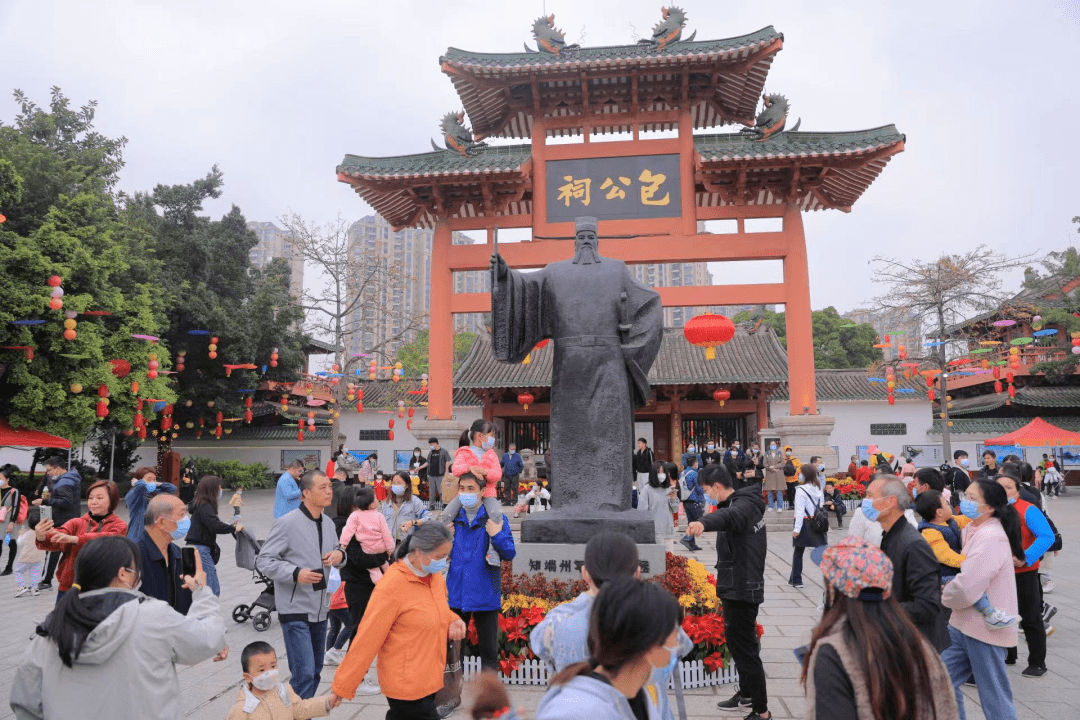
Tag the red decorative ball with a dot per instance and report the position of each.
(213, 356)
(56, 303)
(55, 281)
(69, 334)
(708, 331)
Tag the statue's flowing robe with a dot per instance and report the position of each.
(599, 374)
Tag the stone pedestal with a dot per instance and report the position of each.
(563, 525)
(809, 435)
(563, 561)
(448, 431)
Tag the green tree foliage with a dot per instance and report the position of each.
(835, 346)
(414, 356)
(63, 220)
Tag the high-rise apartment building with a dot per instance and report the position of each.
(395, 280)
(277, 243)
(678, 275)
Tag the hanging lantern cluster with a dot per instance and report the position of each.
(526, 399)
(247, 410)
(166, 418)
(103, 401)
(274, 358)
(359, 400)
(401, 408)
(901, 351)
(219, 430)
(350, 392)
(890, 383)
(1014, 358)
(399, 372)
(721, 396)
(180, 358)
(152, 367)
(56, 295)
(212, 348)
(372, 370)
(1036, 323)
(202, 424)
(1075, 343)
(390, 423)
(930, 394)
(423, 381)
(69, 325)
(708, 331)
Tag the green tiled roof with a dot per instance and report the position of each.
(733, 146)
(993, 427)
(853, 385)
(1049, 396)
(757, 358)
(592, 55)
(492, 159)
(262, 433)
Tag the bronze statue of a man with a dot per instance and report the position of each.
(606, 327)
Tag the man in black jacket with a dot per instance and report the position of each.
(65, 500)
(738, 517)
(643, 461)
(916, 571)
(438, 465)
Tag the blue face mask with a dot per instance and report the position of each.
(914, 492)
(711, 501)
(772, 447)
(821, 468)
(468, 500)
(398, 489)
(965, 462)
(674, 652)
(489, 443)
(435, 566)
(182, 528)
(969, 508)
(150, 486)
(868, 509)
(1012, 501)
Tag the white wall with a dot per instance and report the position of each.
(352, 424)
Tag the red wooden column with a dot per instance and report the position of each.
(800, 329)
(441, 323)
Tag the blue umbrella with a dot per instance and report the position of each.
(27, 322)
(933, 344)
(1044, 333)
(264, 369)
(905, 390)
(870, 379)
(198, 332)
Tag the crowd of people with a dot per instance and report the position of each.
(938, 571)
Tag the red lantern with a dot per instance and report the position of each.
(892, 399)
(166, 422)
(526, 399)
(102, 409)
(359, 394)
(120, 367)
(142, 433)
(887, 338)
(218, 432)
(997, 372)
(247, 401)
(997, 386)
(56, 303)
(930, 395)
(300, 435)
(708, 331)
(69, 334)
(198, 434)
(901, 352)
(213, 341)
(359, 407)
(151, 374)
(721, 396)
(55, 281)
(213, 355)
(219, 417)
(247, 416)
(390, 435)
(103, 390)
(408, 425)
(1009, 377)
(412, 411)
(1012, 391)
(391, 421)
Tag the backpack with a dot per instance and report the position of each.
(789, 469)
(819, 521)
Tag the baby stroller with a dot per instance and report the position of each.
(247, 552)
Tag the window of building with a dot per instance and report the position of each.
(888, 428)
(372, 435)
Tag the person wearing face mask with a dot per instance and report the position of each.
(711, 456)
(816, 462)
(990, 541)
(643, 462)
(774, 484)
(407, 625)
(1036, 537)
(738, 517)
(439, 461)
(143, 488)
(734, 459)
(206, 526)
(478, 458)
(64, 487)
(165, 522)
(418, 464)
(656, 500)
(512, 466)
(264, 696)
(404, 510)
(107, 650)
(792, 465)
(959, 477)
(917, 574)
(69, 538)
(633, 631)
(473, 584)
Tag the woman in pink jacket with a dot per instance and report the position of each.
(990, 543)
(477, 455)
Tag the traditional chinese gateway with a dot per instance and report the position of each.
(649, 193)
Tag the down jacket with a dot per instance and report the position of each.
(741, 545)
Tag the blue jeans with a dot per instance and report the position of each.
(968, 656)
(209, 568)
(305, 645)
(776, 499)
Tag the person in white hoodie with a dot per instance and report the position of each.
(107, 650)
(808, 500)
(633, 629)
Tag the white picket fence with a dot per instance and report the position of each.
(537, 672)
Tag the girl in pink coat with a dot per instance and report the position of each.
(478, 457)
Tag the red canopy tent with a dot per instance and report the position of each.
(1037, 433)
(25, 437)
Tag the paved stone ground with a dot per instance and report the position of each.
(209, 689)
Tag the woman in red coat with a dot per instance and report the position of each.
(101, 500)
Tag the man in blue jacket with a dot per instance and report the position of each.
(287, 495)
(474, 587)
(66, 503)
(512, 467)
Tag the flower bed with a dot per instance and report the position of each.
(850, 490)
(528, 598)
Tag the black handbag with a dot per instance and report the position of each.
(453, 677)
(1058, 543)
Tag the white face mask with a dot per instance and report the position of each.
(266, 681)
(661, 476)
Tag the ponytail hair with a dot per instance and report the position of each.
(610, 554)
(994, 496)
(96, 566)
(479, 426)
(425, 538)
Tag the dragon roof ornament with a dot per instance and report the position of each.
(549, 38)
(457, 137)
(669, 30)
(772, 118)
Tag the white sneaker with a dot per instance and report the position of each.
(22, 591)
(368, 688)
(999, 620)
(1048, 587)
(333, 657)
(34, 592)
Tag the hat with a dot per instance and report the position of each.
(585, 223)
(853, 566)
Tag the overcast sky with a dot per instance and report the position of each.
(277, 92)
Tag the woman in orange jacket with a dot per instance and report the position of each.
(407, 624)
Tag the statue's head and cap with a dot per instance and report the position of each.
(585, 241)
